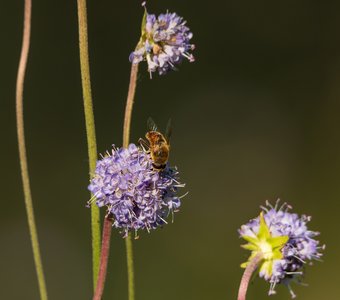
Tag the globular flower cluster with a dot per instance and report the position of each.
(136, 195)
(285, 243)
(165, 41)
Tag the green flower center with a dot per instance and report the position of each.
(266, 249)
(266, 245)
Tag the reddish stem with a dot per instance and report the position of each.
(104, 257)
(250, 269)
(129, 104)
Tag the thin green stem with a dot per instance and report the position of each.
(90, 130)
(248, 272)
(130, 269)
(126, 139)
(22, 149)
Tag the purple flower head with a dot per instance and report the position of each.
(165, 41)
(136, 195)
(289, 244)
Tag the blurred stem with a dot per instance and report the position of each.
(90, 130)
(22, 148)
(129, 259)
(126, 140)
(104, 257)
(248, 272)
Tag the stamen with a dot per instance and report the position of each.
(180, 197)
(277, 204)
(163, 220)
(264, 208)
(284, 204)
(291, 291)
(89, 202)
(294, 273)
(272, 287)
(179, 185)
(300, 259)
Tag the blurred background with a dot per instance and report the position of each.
(256, 117)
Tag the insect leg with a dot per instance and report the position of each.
(144, 144)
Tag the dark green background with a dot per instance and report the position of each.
(256, 117)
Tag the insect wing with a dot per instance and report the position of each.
(168, 131)
(151, 125)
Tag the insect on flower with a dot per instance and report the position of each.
(157, 144)
(136, 195)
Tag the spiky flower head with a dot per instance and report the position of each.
(164, 42)
(284, 242)
(136, 195)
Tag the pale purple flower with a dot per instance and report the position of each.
(300, 249)
(165, 41)
(136, 195)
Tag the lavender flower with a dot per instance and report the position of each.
(165, 41)
(136, 195)
(285, 243)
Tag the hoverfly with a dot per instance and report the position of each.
(157, 144)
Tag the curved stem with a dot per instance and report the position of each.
(103, 258)
(250, 269)
(90, 130)
(22, 149)
(126, 140)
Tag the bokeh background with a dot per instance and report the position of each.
(256, 117)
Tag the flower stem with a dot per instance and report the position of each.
(129, 104)
(250, 269)
(103, 258)
(22, 149)
(90, 130)
(105, 250)
(129, 259)
(126, 140)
